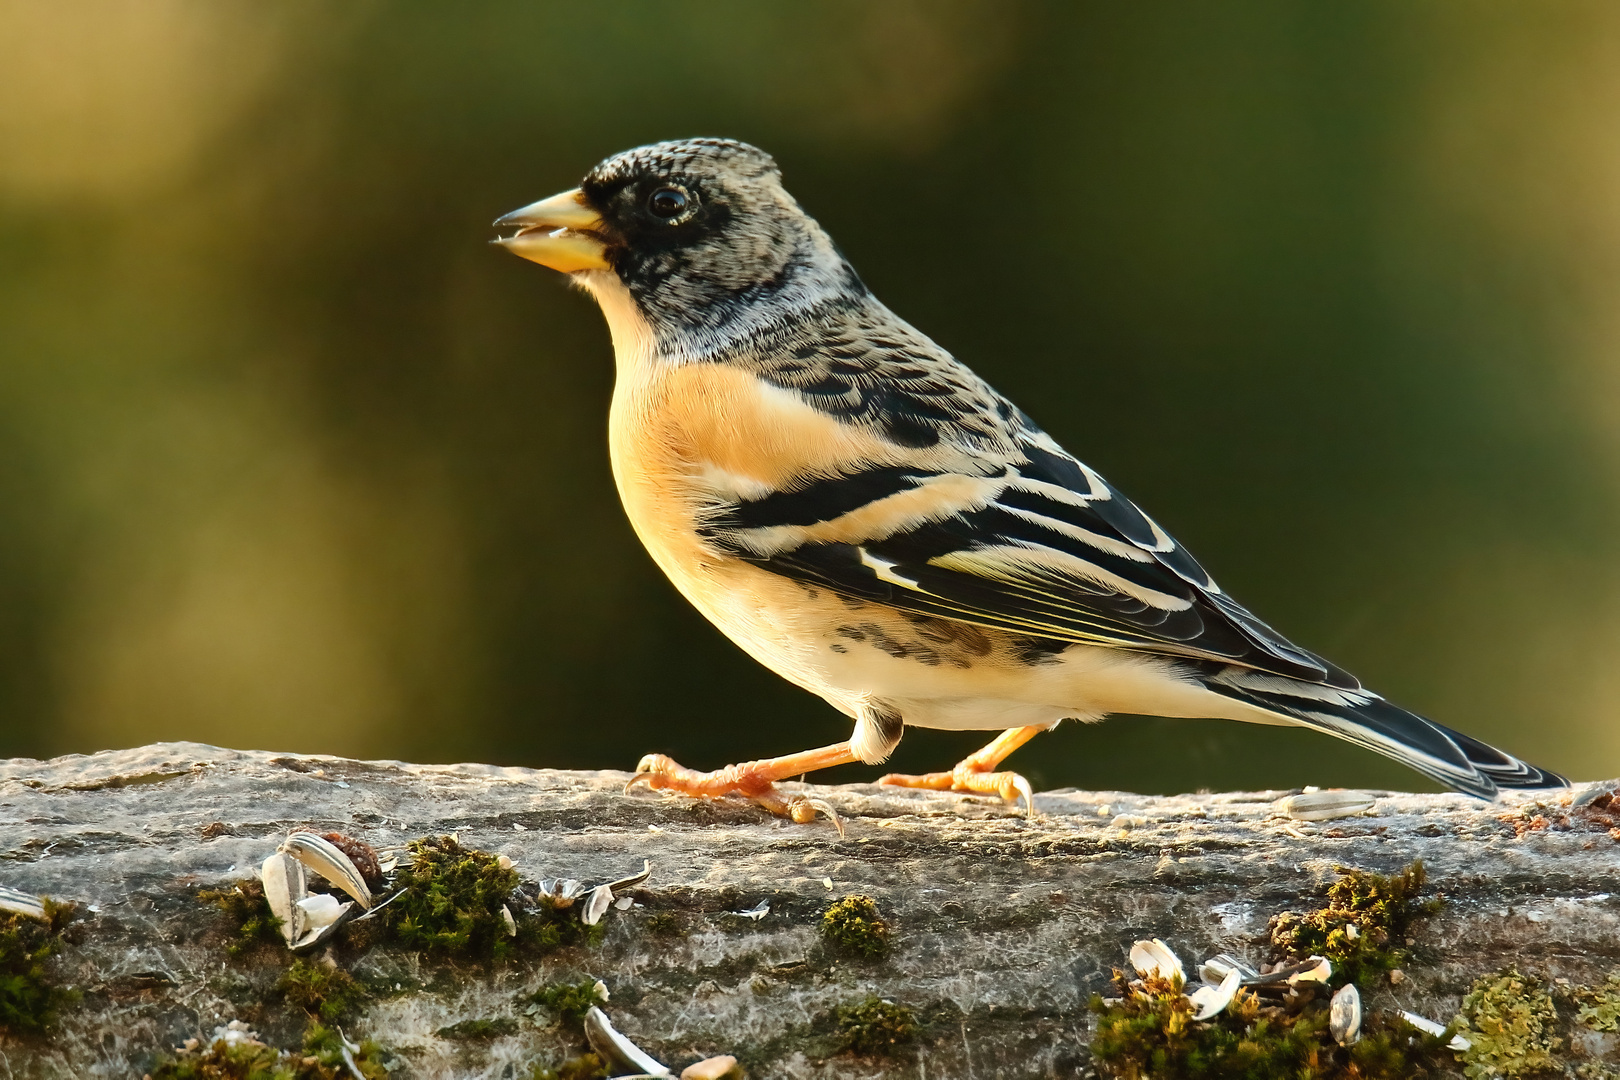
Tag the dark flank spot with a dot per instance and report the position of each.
(1036, 651)
(850, 632)
(900, 650)
(837, 648)
(968, 639)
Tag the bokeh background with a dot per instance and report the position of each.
(290, 458)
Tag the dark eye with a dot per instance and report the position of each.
(667, 202)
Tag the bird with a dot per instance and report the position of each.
(864, 515)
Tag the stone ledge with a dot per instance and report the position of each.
(1002, 926)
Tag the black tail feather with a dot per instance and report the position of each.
(1456, 760)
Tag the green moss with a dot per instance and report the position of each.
(452, 900)
(567, 1001)
(853, 926)
(320, 1058)
(1148, 1033)
(1509, 1027)
(325, 1045)
(875, 1026)
(1362, 929)
(249, 914)
(325, 993)
(29, 998)
(584, 1067)
(1600, 1005)
(244, 1061)
(665, 924)
(481, 1029)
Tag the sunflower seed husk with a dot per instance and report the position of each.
(1323, 805)
(617, 1049)
(1210, 1001)
(560, 892)
(21, 903)
(1429, 1027)
(634, 879)
(511, 923)
(349, 1050)
(284, 886)
(1314, 969)
(1311, 969)
(1154, 957)
(757, 912)
(328, 860)
(1216, 968)
(1344, 1015)
(315, 935)
(320, 910)
(601, 899)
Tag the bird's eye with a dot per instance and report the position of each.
(667, 202)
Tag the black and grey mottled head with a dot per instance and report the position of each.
(700, 231)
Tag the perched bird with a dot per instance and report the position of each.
(871, 520)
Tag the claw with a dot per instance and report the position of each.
(803, 811)
(647, 771)
(1027, 792)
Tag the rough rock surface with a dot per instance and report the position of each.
(1003, 927)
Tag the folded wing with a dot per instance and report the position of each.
(1043, 547)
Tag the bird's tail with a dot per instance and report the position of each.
(1362, 717)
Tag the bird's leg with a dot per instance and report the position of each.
(754, 780)
(976, 772)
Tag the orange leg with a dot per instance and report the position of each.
(754, 780)
(976, 772)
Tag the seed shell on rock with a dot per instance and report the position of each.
(330, 861)
(1429, 1027)
(618, 1050)
(1154, 957)
(1325, 805)
(1209, 1002)
(21, 903)
(284, 886)
(1344, 1015)
(596, 906)
(1216, 968)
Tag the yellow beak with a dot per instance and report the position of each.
(557, 232)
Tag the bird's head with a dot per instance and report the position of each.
(697, 232)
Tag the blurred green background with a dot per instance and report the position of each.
(290, 458)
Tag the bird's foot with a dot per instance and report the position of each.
(755, 780)
(965, 777)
